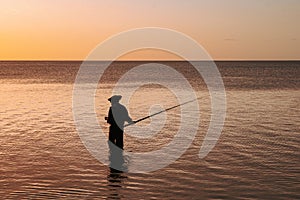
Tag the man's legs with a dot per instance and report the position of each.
(119, 140)
(116, 136)
(112, 135)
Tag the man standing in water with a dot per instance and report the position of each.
(117, 116)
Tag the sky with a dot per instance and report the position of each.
(227, 29)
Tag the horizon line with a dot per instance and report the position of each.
(158, 60)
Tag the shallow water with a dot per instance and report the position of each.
(257, 155)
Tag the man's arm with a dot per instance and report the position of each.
(127, 117)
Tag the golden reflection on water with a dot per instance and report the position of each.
(43, 157)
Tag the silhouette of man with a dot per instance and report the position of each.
(117, 115)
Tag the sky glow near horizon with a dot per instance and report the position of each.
(227, 29)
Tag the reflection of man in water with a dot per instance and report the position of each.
(117, 115)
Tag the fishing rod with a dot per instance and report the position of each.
(142, 119)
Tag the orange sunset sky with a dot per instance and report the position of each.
(227, 29)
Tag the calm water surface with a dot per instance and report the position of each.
(256, 157)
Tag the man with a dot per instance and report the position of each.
(117, 115)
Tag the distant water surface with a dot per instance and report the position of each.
(256, 157)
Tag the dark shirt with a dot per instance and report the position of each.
(117, 116)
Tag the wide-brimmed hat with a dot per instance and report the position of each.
(115, 98)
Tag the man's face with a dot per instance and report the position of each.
(113, 102)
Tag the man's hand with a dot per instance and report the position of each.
(130, 123)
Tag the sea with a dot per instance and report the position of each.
(43, 154)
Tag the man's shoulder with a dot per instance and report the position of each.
(121, 107)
